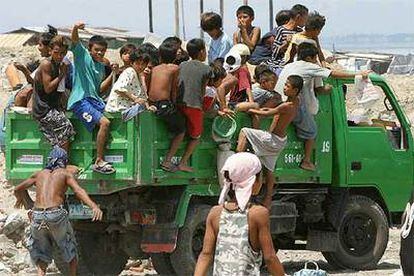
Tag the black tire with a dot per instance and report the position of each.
(101, 254)
(362, 235)
(162, 264)
(190, 240)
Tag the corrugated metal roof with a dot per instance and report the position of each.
(14, 40)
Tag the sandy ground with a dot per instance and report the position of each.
(292, 260)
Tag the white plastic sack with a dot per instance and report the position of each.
(365, 91)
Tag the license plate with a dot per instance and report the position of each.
(80, 211)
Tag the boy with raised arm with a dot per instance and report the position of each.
(267, 145)
(89, 83)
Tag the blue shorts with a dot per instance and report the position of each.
(89, 111)
(49, 229)
(305, 124)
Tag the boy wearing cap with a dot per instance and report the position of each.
(237, 231)
(241, 98)
(267, 145)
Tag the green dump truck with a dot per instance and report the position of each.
(363, 179)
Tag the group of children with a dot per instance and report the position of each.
(179, 87)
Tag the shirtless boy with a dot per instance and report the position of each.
(162, 93)
(50, 225)
(267, 145)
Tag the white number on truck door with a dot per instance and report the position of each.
(326, 146)
(293, 158)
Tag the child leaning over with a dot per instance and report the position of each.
(193, 78)
(220, 43)
(267, 145)
(264, 91)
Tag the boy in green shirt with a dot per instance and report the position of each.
(89, 82)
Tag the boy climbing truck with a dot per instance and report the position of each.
(363, 179)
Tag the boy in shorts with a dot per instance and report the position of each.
(267, 145)
(89, 83)
(47, 111)
(193, 78)
(162, 85)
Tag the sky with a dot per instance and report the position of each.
(343, 16)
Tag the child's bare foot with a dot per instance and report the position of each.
(306, 165)
(185, 168)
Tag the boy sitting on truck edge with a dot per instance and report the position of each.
(127, 90)
(220, 43)
(247, 34)
(162, 86)
(313, 28)
(308, 68)
(218, 74)
(47, 111)
(193, 78)
(89, 82)
(267, 145)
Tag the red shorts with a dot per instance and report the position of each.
(194, 118)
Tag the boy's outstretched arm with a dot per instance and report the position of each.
(84, 197)
(75, 32)
(266, 111)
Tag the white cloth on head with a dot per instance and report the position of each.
(242, 168)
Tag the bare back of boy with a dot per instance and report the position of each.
(163, 82)
(50, 188)
(281, 121)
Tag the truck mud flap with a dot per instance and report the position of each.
(159, 238)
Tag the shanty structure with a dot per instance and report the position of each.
(29, 36)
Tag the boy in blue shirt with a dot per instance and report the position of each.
(89, 82)
(220, 43)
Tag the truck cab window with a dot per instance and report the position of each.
(374, 110)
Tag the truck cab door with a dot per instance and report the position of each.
(378, 145)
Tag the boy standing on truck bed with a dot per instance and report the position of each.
(237, 231)
(162, 93)
(89, 82)
(193, 78)
(49, 221)
(46, 109)
(307, 67)
(267, 145)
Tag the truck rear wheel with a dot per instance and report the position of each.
(362, 237)
(190, 240)
(162, 263)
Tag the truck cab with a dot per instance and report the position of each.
(363, 179)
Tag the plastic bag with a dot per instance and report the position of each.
(310, 272)
(365, 91)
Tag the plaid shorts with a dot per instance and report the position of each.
(56, 127)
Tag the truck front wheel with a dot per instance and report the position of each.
(190, 240)
(362, 235)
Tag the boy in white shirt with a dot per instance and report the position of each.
(128, 91)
